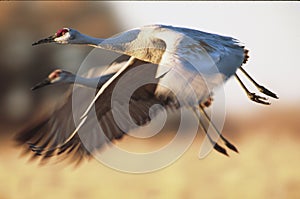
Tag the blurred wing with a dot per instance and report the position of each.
(124, 105)
(51, 129)
(54, 128)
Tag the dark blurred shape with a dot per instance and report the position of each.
(22, 65)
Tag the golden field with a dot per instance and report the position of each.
(267, 167)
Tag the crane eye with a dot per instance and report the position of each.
(61, 32)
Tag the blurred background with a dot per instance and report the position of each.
(267, 136)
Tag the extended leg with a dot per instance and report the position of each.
(226, 142)
(259, 87)
(252, 96)
(215, 145)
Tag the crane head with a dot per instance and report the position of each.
(62, 36)
(57, 76)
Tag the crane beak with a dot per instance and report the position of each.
(46, 40)
(43, 83)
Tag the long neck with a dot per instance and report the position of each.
(95, 82)
(129, 44)
(119, 43)
(87, 40)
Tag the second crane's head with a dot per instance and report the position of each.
(62, 36)
(57, 76)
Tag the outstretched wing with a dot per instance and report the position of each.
(52, 129)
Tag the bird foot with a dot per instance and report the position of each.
(267, 92)
(220, 149)
(231, 146)
(258, 99)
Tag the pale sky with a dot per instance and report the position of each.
(270, 30)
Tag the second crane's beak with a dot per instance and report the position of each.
(43, 83)
(46, 40)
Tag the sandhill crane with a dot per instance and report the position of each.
(51, 134)
(170, 47)
(185, 56)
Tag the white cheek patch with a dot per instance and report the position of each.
(63, 39)
(54, 80)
